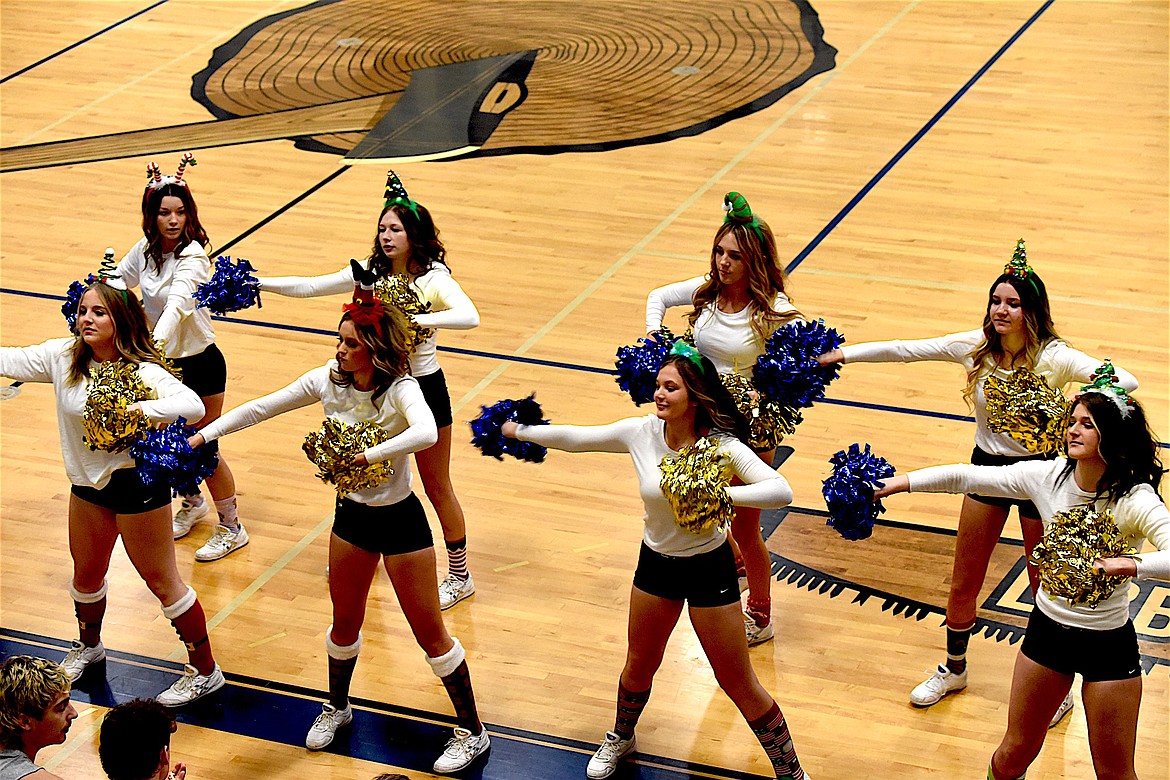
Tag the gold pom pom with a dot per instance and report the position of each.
(168, 363)
(1072, 541)
(396, 291)
(1027, 409)
(695, 483)
(108, 425)
(769, 421)
(333, 447)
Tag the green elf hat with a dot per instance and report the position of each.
(736, 209)
(396, 193)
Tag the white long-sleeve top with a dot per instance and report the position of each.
(50, 362)
(1057, 362)
(401, 411)
(645, 439)
(1139, 515)
(168, 297)
(727, 340)
(450, 306)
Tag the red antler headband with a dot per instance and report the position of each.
(155, 179)
(366, 308)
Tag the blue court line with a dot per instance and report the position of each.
(72, 46)
(844, 212)
(539, 362)
(401, 737)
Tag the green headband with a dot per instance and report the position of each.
(737, 210)
(683, 349)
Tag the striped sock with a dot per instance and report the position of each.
(772, 731)
(457, 558)
(89, 621)
(191, 626)
(629, 708)
(340, 675)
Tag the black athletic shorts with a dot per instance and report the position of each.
(392, 529)
(1097, 656)
(434, 389)
(205, 373)
(125, 494)
(981, 458)
(705, 580)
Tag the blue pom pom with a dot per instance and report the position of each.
(232, 287)
(72, 301)
(787, 373)
(485, 429)
(848, 491)
(638, 365)
(164, 456)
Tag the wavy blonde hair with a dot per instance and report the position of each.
(1038, 331)
(766, 278)
(389, 350)
(132, 336)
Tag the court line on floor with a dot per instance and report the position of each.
(540, 362)
(844, 212)
(72, 46)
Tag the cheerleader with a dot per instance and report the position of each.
(1017, 334)
(676, 564)
(735, 307)
(1111, 466)
(167, 265)
(407, 244)
(369, 381)
(108, 498)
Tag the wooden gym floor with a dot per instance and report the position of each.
(898, 175)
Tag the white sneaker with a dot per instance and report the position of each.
(605, 761)
(187, 516)
(79, 657)
(452, 590)
(461, 750)
(1064, 709)
(191, 687)
(222, 542)
(942, 682)
(325, 727)
(757, 634)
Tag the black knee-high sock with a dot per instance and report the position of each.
(629, 708)
(458, 685)
(957, 639)
(772, 731)
(340, 675)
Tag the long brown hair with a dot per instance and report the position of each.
(1038, 331)
(193, 231)
(717, 410)
(131, 334)
(1126, 443)
(426, 248)
(389, 350)
(766, 278)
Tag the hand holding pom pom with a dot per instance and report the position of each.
(1067, 555)
(769, 421)
(487, 429)
(166, 456)
(232, 287)
(638, 365)
(849, 491)
(111, 418)
(695, 483)
(788, 373)
(395, 290)
(334, 448)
